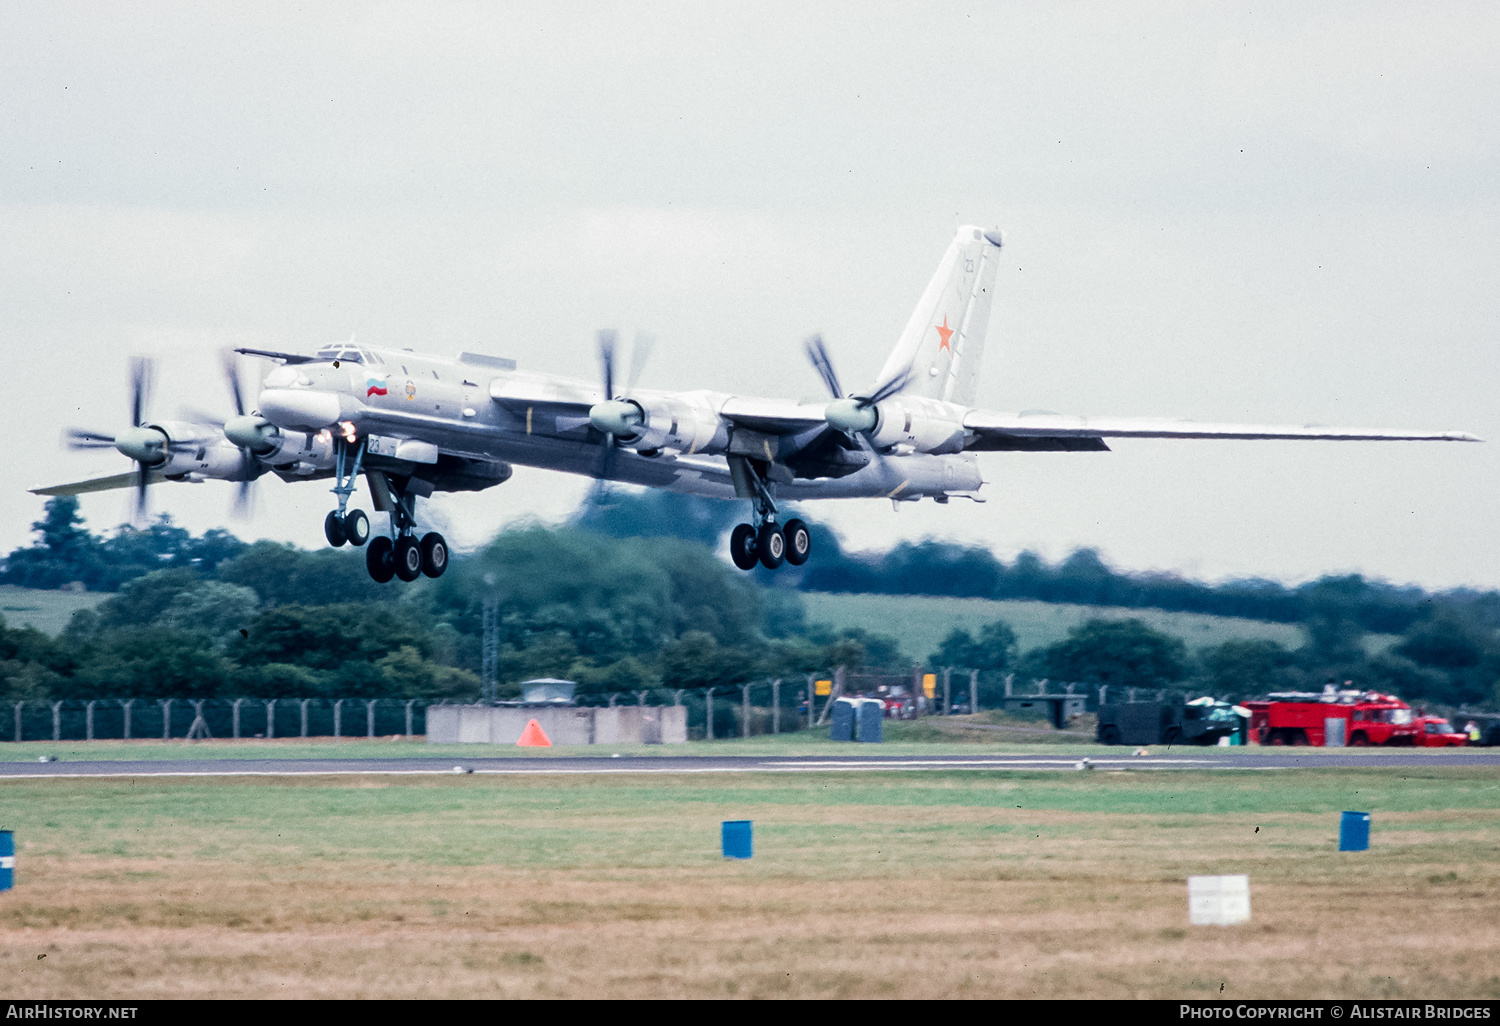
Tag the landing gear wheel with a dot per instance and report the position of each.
(798, 542)
(434, 555)
(356, 527)
(408, 558)
(742, 546)
(380, 560)
(333, 528)
(770, 546)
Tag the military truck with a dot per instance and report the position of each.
(1170, 720)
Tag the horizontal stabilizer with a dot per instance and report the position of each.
(992, 427)
(99, 484)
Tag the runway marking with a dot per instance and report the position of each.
(1055, 765)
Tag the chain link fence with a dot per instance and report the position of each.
(105, 719)
(775, 706)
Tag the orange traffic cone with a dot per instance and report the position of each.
(534, 736)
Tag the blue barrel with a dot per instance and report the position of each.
(738, 843)
(7, 860)
(1354, 831)
(871, 720)
(841, 727)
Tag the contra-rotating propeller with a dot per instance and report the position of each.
(247, 432)
(855, 416)
(616, 417)
(149, 447)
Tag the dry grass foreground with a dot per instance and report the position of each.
(862, 885)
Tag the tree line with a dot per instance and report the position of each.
(213, 616)
(629, 596)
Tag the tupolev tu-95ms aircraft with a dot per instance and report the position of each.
(414, 424)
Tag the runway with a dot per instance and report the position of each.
(855, 762)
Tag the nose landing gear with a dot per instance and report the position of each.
(351, 526)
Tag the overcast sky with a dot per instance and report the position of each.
(1273, 213)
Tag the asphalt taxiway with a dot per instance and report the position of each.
(1163, 759)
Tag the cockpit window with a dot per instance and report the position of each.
(343, 354)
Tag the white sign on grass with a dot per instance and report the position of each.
(1218, 900)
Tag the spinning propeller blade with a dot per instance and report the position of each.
(817, 352)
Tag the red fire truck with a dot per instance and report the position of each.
(1304, 718)
(1437, 732)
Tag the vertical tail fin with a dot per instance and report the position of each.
(944, 340)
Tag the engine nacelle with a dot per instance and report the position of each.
(301, 452)
(195, 449)
(687, 422)
(920, 424)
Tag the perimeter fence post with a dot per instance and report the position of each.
(270, 718)
(947, 690)
(919, 697)
(303, 702)
(19, 706)
(199, 728)
(125, 704)
(166, 717)
(235, 717)
(409, 703)
(745, 711)
(88, 720)
(708, 709)
(370, 716)
(57, 720)
(776, 706)
(338, 717)
(811, 698)
(973, 691)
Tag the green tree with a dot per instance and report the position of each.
(1117, 652)
(1244, 667)
(63, 552)
(696, 660)
(282, 574)
(146, 598)
(154, 661)
(994, 650)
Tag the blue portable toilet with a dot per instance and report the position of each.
(871, 719)
(7, 860)
(841, 727)
(1354, 831)
(737, 839)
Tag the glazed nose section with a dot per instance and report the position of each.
(299, 409)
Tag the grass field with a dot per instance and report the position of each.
(47, 611)
(876, 885)
(922, 622)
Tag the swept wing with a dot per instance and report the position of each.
(1001, 431)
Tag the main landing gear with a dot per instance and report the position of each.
(765, 541)
(403, 556)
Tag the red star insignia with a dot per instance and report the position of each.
(944, 333)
